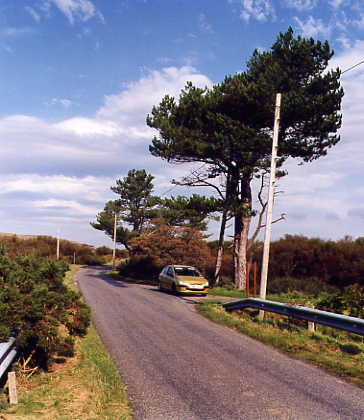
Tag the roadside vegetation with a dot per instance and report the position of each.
(335, 351)
(84, 386)
(45, 247)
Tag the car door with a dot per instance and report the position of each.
(163, 282)
(170, 278)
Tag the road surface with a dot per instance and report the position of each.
(178, 365)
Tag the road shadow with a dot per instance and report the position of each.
(192, 300)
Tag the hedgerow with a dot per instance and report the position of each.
(38, 308)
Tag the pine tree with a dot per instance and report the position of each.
(229, 127)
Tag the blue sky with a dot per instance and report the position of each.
(79, 76)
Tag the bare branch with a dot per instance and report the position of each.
(198, 179)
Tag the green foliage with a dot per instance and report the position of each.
(229, 126)
(135, 206)
(349, 302)
(297, 263)
(163, 244)
(36, 305)
(344, 358)
(189, 211)
(351, 348)
(45, 246)
(308, 285)
(105, 223)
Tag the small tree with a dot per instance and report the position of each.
(163, 244)
(135, 206)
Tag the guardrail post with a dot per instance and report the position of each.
(311, 326)
(13, 395)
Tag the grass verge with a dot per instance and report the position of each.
(292, 298)
(339, 354)
(86, 386)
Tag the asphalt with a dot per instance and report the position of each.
(178, 365)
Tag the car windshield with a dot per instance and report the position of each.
(187, 271)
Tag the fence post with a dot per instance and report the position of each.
(311, 326)
(13, 395)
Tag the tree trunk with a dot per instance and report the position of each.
(242, 225)
(238, 274)
(220, 249)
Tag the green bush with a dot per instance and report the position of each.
(309, 286)
(351, 348)
(141, 268)
(349, 302)
(90, 259)
(38, 308)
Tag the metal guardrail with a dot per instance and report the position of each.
(7, 355)
(342, 322)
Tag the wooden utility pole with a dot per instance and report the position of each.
(57, 245)
(268, 224)
(114, 249)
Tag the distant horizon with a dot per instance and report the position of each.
(119, 246)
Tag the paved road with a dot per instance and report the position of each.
(180, 366)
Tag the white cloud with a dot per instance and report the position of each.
(359, 23)
(137, 99)
(66, 103)
(15, 32)
(74, 9)
(300, 5)
(89, 127)
(260, 10)
(33, 13)
(66, 207)
(336, 3)
(204, 25)
(65, 177)
(313, 27)
(114, 140)
(90, 187)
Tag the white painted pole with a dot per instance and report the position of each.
(114, 249)
(268, 224)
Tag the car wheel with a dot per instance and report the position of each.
(174, 289)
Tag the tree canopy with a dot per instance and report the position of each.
(191, 211)
(229, 127)
(135, 206)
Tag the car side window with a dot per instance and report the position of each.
(170, 272)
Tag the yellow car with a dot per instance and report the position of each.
(183, 279)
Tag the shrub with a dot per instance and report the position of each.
(163, 244)
(38, 308)
(349, 302)
(91, 259)
(351, 348)
(141, 268)
(45, 246)
(310, 286)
